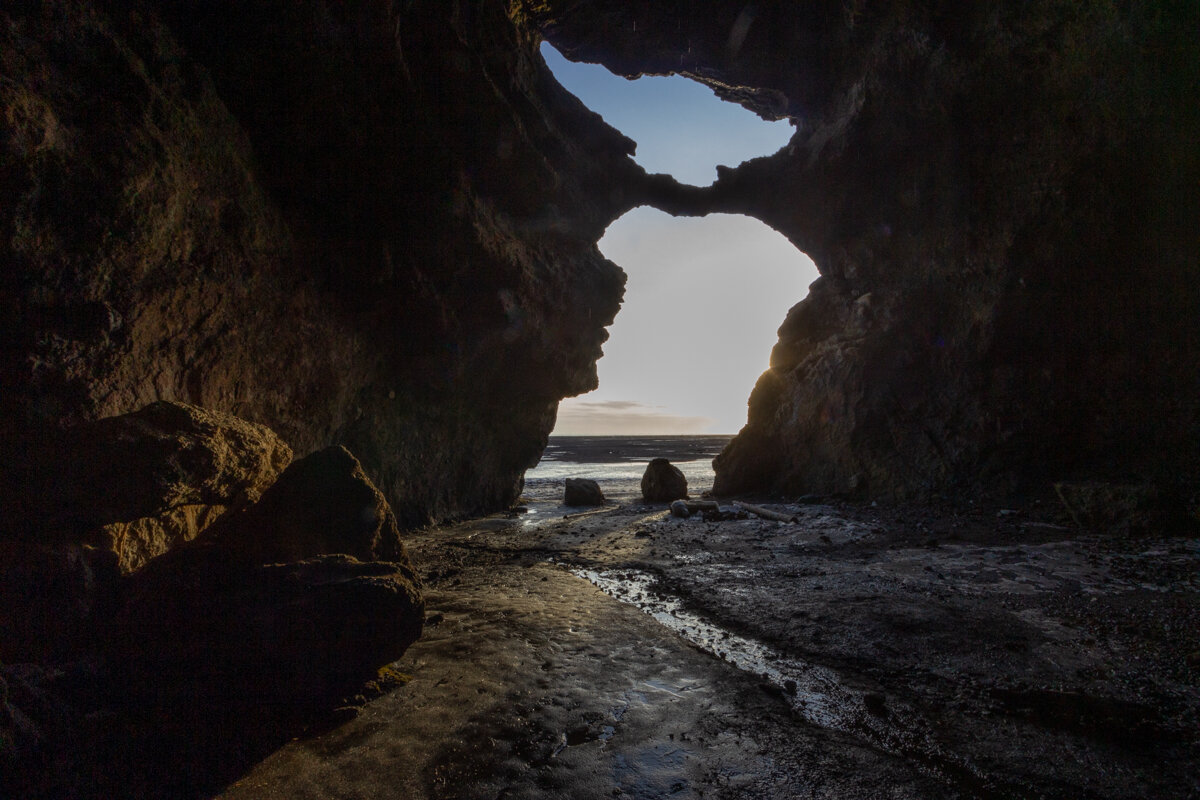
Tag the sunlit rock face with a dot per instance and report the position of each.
(1001, 200)
(369, 224)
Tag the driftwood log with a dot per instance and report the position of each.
(685, 508)
(765, 513)
(578, 514)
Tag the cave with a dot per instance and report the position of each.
(291, 293)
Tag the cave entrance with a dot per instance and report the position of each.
(704, 299)
(705, 295)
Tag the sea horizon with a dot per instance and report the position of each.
(617, 462)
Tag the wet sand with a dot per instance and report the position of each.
(858, 652)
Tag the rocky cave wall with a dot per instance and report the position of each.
(360, 223)
(372, 223)
(1001, 200)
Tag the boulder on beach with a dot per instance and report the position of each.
(202, 623)
(104, 498)
(322, 504)
(583, 492)
(663, 482)
(214, 661)
(298, 598)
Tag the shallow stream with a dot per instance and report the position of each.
(819, 695)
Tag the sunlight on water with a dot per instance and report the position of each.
(617, 463)
(617, 480)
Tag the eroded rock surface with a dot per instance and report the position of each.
(363, 224)
(999, 200)
(373, 225)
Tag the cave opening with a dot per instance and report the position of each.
(704, 298)
(705, 295)
(681, 127)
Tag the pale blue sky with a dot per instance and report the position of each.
(706, 295)
(680, 126)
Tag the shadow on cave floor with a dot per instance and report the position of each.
(856, 652)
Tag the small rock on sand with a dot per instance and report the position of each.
(583, 492)
(663, 482)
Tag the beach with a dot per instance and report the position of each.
(856, 651)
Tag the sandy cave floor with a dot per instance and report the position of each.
(857, 652)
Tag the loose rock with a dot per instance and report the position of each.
(583, 492)
(168, 455)
(663, 482)
(322, 504)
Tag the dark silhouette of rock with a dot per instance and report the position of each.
(218, 648)
(204, 621)
(975, 328)
(214, 661)
(226, 233)
(322, 504)
(663, 482)
(583, 492)
(312, 584)
(55, 598)
(261, 624)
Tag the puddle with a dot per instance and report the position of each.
(815, 693)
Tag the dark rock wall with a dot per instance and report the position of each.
(1001, 200)
(362, 223)
(372, 224)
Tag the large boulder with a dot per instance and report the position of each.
(225, 647)
(322, 504)
(178, 469)
(583, 492)
(298, 599)
(106, 497)
(205, 623)
(214, 661)
(663, 482)
(139, 484)
(168, 455)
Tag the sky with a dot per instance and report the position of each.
(705, 295)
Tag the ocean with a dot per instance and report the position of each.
(618, 462)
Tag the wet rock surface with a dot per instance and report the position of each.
(856, 652)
